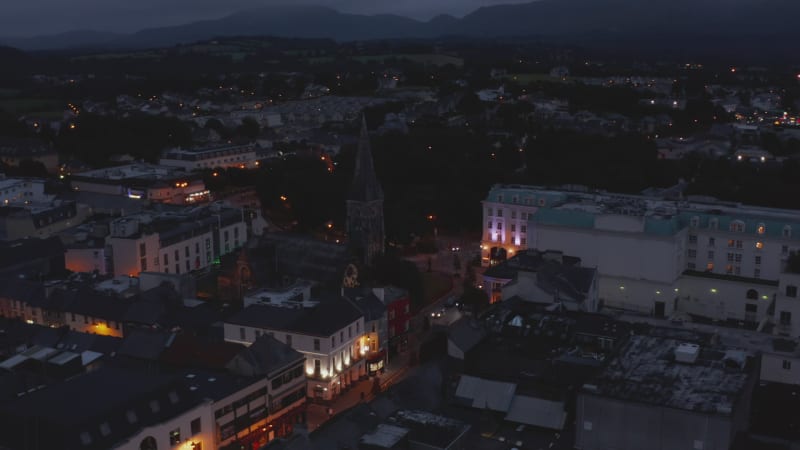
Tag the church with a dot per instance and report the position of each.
(365, 227)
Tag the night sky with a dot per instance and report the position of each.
(43, 17)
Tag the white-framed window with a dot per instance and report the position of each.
(737, 226)
(787, 231)
(695, 222)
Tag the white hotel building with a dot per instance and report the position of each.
(330, 333)
(703, 257)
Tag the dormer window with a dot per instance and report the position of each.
(713, 223)
(515, 199)
(737, 226)
(787, 231)
(541, 202)
(761, 228)
(695, 222)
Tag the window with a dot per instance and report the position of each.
(692, 253)
(317, 365)
(692, 239)
(695, 222)
(499, 213)
(787, 231)
(541, 202)
(500, 198)
(711, 242)
(515, 199)
(197, 248)
(738, 244)
(729, 269)
(341, 336)
(131, 416)
(177, 254)
(226, 234)
(142, 249)
(350, 328)
(316, 345)
(143, 264)
(489, 212)
(710, 254)
(587, 426)
(186, 251)
(784, 249)
(761, 229)
(731, 243)
(730, 257)
(759, 245)
(757, 273)
(786, 318)
(737, 270)
(758, 260)
(333, 341)
(737, 257)
(490, 225)
(235, 233)
(196, 426)
(175, 436)
(513, 227)
(177, 268)
(148, 443)
(166, 259)
(752, 294)
(709, 266)
(787, 365)
(242, 333)
(357, 327)
(523, 229)
(523, 241)
(713, 224)
(791, 291)
(737, 226)
(289, 340)
(691, 266)
(513, 214)
(499, 226)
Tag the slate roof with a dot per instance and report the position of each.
(71, 415)
(267, 354)
(324, 319)
(365, 186)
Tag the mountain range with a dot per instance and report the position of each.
(662, 23)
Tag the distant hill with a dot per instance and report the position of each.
(68, 40)
(676, 25)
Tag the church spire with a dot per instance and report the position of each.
(365, 186)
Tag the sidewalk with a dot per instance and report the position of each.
(317, 414)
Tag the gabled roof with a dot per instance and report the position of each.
(267, 355)
(466, 336)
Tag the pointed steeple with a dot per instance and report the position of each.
(365, 186)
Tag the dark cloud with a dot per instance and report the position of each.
(37, 17)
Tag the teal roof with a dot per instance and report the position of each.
(564, 217)
(662, 226)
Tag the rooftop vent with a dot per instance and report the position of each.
(687, 353)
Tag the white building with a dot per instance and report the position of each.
(330, 333)
(717, 259)
(18, 190)
(237, 156)
(174, 243)
(156, 183)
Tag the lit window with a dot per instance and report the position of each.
(737, 226)
(759, 245)
(710, 266)
(761, 228)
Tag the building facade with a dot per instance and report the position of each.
(227, 156)
(655, 253)
(329, 333)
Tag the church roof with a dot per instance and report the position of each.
(365, 186)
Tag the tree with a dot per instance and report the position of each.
(249, 128)
(475, 299)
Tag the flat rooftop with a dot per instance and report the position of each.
(645, 371)
(132, 171)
